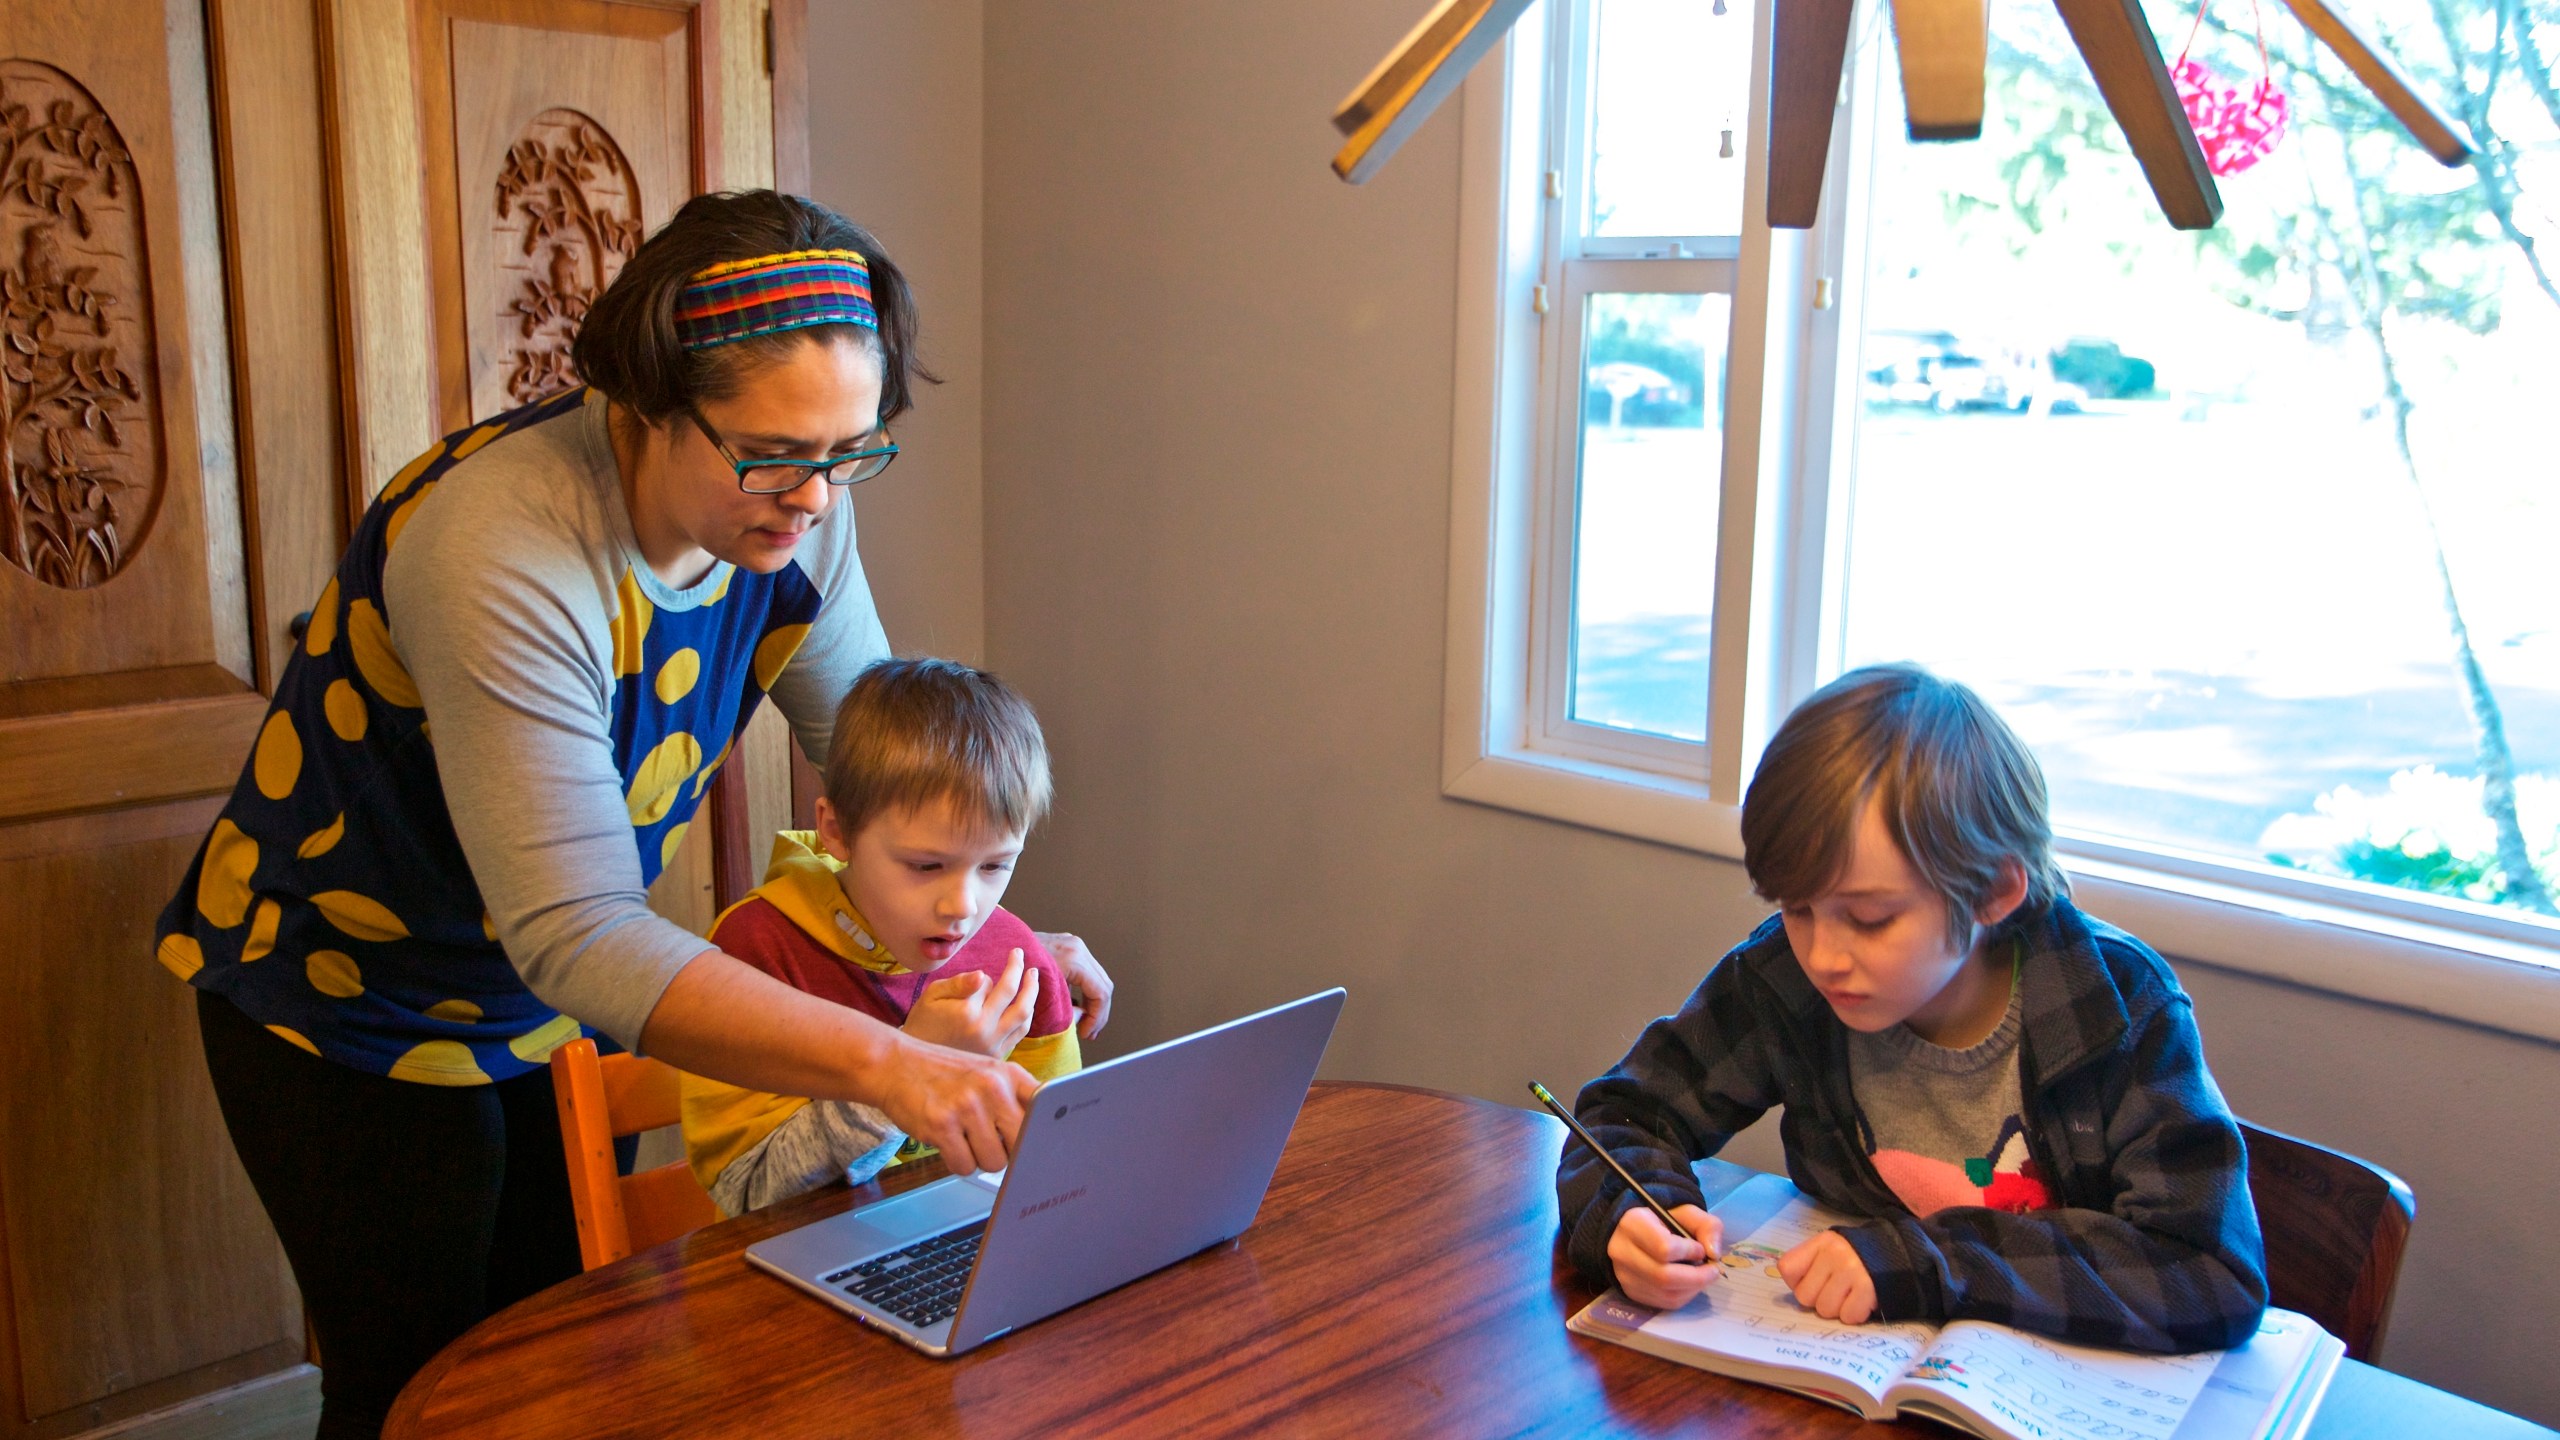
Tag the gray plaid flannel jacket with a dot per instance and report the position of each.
(2154, 1244)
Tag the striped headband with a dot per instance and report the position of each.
(773, 293)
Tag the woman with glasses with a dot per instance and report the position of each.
(545, 637)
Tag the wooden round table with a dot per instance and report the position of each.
(1402, 1279)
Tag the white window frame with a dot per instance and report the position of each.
(1551, 638)
(1789, 434)
(1571, 267)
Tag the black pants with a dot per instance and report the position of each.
(409, 1211)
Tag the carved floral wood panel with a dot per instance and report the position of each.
(568, 216)
(78, 411)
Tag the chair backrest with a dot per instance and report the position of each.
(2335, 1228)
(602, 1097)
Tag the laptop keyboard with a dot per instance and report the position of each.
(920, 1284)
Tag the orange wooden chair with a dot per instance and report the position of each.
(603, 1097)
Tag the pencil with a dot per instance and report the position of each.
(1586, 1137)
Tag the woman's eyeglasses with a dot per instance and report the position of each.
(781, 476)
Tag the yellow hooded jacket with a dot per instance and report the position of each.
(800, 927)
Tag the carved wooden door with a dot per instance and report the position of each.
(170, 492)
(557, 133)
(231, 305)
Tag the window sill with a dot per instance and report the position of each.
(2484, 980)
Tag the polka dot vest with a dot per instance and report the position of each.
(332, 901)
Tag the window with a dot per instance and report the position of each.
(1640, 255)
(2245, 531)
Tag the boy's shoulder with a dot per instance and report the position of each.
(2141, 978)
(2093, 989)
(758, 933)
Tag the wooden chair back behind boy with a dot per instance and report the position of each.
(2335, 1228)
(604, 1097)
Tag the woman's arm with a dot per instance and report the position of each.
(484, 611)
(724, 1018)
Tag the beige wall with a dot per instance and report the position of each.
(1216, 426)
(896, 125)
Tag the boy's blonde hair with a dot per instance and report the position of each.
(914, 732)
(1960, 794)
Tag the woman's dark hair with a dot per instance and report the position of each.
(628, 348)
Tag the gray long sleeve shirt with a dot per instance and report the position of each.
(490, 743)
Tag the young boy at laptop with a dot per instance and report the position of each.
(935, 774)
(2011, 1095)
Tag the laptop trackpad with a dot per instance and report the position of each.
(904, 1219)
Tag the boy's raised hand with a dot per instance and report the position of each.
(1659, 1269)
(982, 1013)
(1829, 1279)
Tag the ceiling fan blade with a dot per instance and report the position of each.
(2124, 58)
(1414, 78)
(1943, 45)
(1808, 42)
(2389, 84)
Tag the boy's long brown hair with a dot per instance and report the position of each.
(913, 733)
(1960, 794)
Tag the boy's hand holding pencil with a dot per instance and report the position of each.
(1659, 1269)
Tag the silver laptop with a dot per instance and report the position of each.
(1120, 1170)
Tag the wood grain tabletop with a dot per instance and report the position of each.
(1401, 1279)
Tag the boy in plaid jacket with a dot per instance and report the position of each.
(2011, 1094)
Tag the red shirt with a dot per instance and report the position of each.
(757, 932)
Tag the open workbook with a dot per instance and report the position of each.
(1993, 1381)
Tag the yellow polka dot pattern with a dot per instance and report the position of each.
(461, 1010)
(631, 616)
(324, 621)
(661, 776)
(182, 955)
(676, 678)
(360, 916)
(410, 472)
(369, 635)
(775, 651)
(345, 709)
(399, 520)
(222, 890)
(334, 973)
(712, 770)
(278, 760)
(488, 927)
(293, 1037)
(720, 591)
(471, 444)
(535, 1046)
(439, 1062)
(323, 840)
(262, 932)
(668, 847)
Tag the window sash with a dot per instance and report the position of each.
(1574, 108)
(1555, 579)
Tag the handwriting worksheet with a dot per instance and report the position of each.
(2038, 1387)
(1749, 1295)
